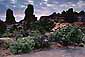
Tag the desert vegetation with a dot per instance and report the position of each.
(30, 34)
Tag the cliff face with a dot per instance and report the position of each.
(10, 19)
(29, 16)
(69, 16)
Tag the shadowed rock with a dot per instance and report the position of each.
(2, 27)
(29, 16)
(10, 19)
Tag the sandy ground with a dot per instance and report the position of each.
(59, 52)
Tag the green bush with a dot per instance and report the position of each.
(7, 34)
(36, 34)
(22, 45)
(43, 26)
(68, 35)
(41, 41)
(82, 29)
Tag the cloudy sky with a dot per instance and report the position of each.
(42, 7)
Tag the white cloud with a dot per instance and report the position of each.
(19, 17)
(56, 7)
(13, 1)
(50, 5)
(53, 5)
(43, 7)
(45, 0)
(81, 3)
(64, 6)
(14, 6)
(42, 12)
(22, 6)
(68, 5)
(40, 3)
(30, 2)
(45, 10)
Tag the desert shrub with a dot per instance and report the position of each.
(22, 45)
(35, 41)
(41, 41)
(68, 35)
(43, 26)
(82, 29)
(34, 33)
(7, 34)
